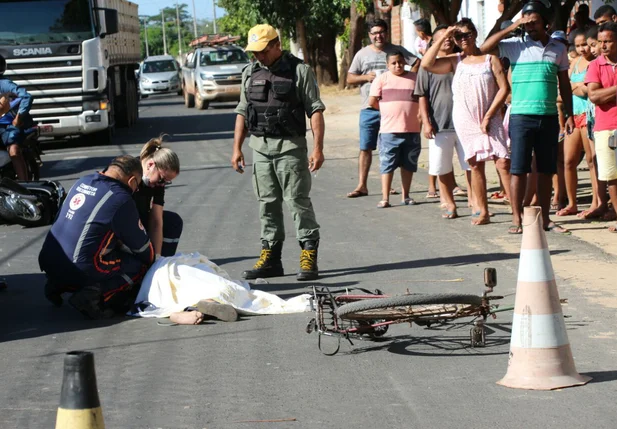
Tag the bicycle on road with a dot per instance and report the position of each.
(363, 314)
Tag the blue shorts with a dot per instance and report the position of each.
(11, 135)
(531, 134)
(369, 128)
(399, 150)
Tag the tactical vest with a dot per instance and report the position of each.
(273, 108)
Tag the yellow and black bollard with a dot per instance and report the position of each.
(80, 407)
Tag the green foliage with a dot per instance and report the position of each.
(155, 31)
(241, 16)
(317, 15)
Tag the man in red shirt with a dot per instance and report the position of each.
(601, 80)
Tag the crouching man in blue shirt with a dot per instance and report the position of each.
(97, 248)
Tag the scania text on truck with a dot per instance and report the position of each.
(77, 58)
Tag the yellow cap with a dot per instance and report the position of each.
(259, 36)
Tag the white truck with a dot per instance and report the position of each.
(77, 58)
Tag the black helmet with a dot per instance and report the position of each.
(541, 7)
(2, 65)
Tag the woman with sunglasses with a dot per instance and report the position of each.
(161, 165)
(479, 89)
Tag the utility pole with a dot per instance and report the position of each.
(146, 33)
(164, 39)
(214, 10)
(194, 21)
(178, 25)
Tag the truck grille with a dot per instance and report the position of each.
(54, 82)
(228, 79)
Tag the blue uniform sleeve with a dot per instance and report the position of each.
(26, 99)
(129, 229)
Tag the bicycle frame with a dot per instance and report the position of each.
(324, 302)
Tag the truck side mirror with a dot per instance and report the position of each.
(108, 21)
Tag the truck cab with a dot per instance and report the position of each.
(213, 73)
(77, 59)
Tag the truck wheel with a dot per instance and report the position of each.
(144, 95)
(189, 100)
(122, 113)
(200, 103)
(101, 138)
(132, 102)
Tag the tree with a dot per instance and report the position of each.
(314, 24)
(155, 31)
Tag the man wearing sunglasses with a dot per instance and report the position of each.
(367, 64)
(539, 69)
(98, 249)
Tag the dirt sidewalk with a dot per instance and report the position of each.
(341, 118)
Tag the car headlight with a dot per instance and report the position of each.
(175, 79)
(207, 76)
(145, 80)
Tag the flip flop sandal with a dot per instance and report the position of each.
(566, 212)
(432, 195)
(458, 192)
(477, 214)
(557, 229)
(357, 194)
(515, 229)
(612, 229)
(408, 202)
(383, 204)
(394, 192)
(449, 214)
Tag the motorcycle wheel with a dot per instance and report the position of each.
(21, 211)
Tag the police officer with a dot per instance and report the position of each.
(278, 92)
(98, 248)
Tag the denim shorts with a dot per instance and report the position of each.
(399, 150)
(531, 134)
(369, 128)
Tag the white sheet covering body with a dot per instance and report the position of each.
(180, 281)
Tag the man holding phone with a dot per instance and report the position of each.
(601, 81)
(539, 68)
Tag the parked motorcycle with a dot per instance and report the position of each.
(30, 203)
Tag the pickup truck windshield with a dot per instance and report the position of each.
(159, 66)
(45, 21)
(223, 56)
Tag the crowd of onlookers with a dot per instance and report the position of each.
(533, 100)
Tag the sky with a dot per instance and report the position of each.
(203, 8)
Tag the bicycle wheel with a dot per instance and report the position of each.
(409, 306)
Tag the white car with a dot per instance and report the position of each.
(159, 75)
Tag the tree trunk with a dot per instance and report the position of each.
(325, 58)
(561, 14)
(356, 30)
(511, 8)
(301, 39)
(342, 75)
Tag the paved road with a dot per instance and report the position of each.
(216, 375)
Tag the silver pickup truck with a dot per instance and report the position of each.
(213, 74)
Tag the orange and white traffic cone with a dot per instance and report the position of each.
(540, 355)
